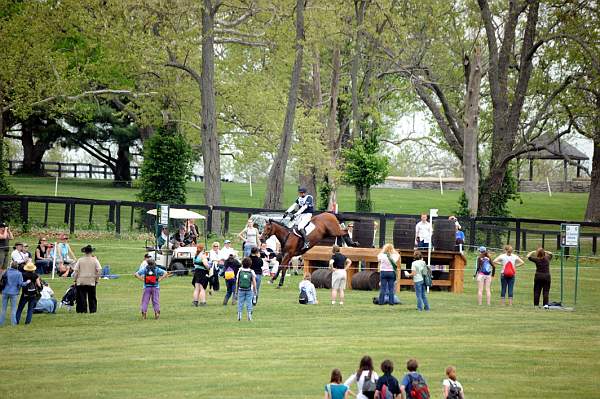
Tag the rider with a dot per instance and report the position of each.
(303, 208)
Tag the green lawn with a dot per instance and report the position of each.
(288, 351)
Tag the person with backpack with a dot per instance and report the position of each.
(200, 278)
(10, 283)
(246, 287)
(388, 261)
(509, 263)
(387, 386)
(541, 280)
(413, 385)
(231, 267)
(30, 293)
(308, 293)
(452, 389)
(420, 272)
(365, 378)
(151, 276)
(484, 273)
(335, 389)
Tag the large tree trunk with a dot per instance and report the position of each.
(210, 138)
(360, 7)
(33, 153)
(277, 173)
(122, 171)
(363, 199)
(333, 139)
(471, 132)
(592, 212)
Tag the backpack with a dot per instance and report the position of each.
(418, 387)
(150, 276)
(3, 282)
(509, 270)
(453, 391)
(303, 297)
(385, 393)
(486, 266)
(229, 274)
(427, 276)
(368, 387)
(245, 282)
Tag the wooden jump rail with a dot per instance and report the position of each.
(455, 260)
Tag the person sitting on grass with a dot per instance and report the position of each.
(335, 389)
(151, 276)
(452, 389)
(309, 288)
(43, 260)
(387, 385)
(47, 303)
(64, 256)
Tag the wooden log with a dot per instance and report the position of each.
(367, 280)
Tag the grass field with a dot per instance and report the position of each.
(288, 351)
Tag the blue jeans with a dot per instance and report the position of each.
(247, 248)
(245, 298)
(230, 290)
(13, 308)
(31, 302)
(420, 292)
(388, 280)
(258, 280)
(506, 282)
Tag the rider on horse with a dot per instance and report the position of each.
(301, 212)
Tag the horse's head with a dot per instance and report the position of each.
(267, 230)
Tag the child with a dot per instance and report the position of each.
(452, 388)
(231, 267)
(335, 389)
(309, 288)
(151, 276)
(246, 288)
(417, 269)
(387, 385)
(413, 384)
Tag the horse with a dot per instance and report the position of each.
(325, 225)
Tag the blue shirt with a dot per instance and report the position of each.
(460, 235)
(14, 282)
(159, 272)
(337, 390)
(406, 381)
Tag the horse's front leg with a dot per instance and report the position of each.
(283, 269)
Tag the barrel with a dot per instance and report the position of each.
(367, 280)
(321, 278)
(404, 233)
(444, 235)
(364, 232)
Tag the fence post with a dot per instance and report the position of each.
(558, 242)
(105, 172)
(75, 170)
(10, 167)
(60, 170)
(136, 171)
(90, 170)
(91, 217)
(72, 221)
(209, 217)
(524, 240)
(382, 228)
(473, 231)
(226, 223)
(46, 215)
(67, 211)
(118, 218)
(131, 220)
(594, 243)
(111, 213)
(518, 236)
(24, 211)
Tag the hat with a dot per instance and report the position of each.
(482, 249)
(88, 249)
(301, 189)
(2, 224)
(227, 242)
(351, 224)
(17, 244)
(29, 266)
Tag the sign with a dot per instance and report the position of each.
(164, 214)
(571, 237)
(433, 213)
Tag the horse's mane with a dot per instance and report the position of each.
(278, 223)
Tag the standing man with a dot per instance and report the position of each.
(86, 274)
(303, 208)
(5, 236)
(423, 233)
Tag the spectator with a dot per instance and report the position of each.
(64, 256)
(14, 282)
(456, 223)
(459, 237)
(151, 276)
(335, 389)
(364, 373)
(309, 288)
(214, 255)
(43, 260)
(423, 232)
(388, 260)
(231, 266)
(200, 279)
(417, 270)
(19, 256)
(387, 382)
(273, 244)
(27, 252)
(246, 287)
(412, 380)
(484, 273)
(163, 239)
(192, 230)
(350, 228)
(29, 293)
(5, 237)
(257, 265)
(47, 303)
(144, 263)
(509, 263)
(268, 256)
(452, 389)
(86, 274)
(339, 263)
(181, 238)
(249, 237)
(541, 280)
(227, 250)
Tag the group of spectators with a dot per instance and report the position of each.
(370, 385)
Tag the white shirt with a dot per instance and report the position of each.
(47, 293)
(423, 231)
(273, 243)
(448, 383)
(504, 258)
(224, 253)
(311, 292)
(19, 257)
(214, 255)
(360, 382)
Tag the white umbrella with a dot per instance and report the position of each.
(178, 213)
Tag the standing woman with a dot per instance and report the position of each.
(86, 274)
(509, 263)
(388, 259)
(541, 281)
(29, 293)
(416, 272)
(484, 274)
(200, 279)
(364, 373)
(249, 237)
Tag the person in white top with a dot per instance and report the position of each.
(423, 232)
(227, 250)
(249, 237)
(452, 389)
(364, 373)
(509, 263)
(309, 287)
(47, 303)
(389, 262)
(19, 256)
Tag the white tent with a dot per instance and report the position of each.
(178, 213)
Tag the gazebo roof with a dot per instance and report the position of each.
(558, 150)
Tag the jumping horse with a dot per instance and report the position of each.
(325, 225)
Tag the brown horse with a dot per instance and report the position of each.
(326, 225)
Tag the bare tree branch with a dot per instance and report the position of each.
(234, 40)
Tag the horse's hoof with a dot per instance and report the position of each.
(278, 287)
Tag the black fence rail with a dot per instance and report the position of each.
(123, 216)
